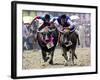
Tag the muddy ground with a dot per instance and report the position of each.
(33, 59)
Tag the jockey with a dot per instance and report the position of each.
(64, 24)
(45, 20)
(44, 28)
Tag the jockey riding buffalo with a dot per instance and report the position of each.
(68, 37)
(47, 36)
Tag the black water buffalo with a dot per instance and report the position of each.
(74, 38)
(47, 42)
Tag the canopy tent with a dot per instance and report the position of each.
(27, 19)
(74, 17)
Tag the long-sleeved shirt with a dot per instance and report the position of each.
(68, 23)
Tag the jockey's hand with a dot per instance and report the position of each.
(67, 29)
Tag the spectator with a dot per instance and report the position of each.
(25, 33)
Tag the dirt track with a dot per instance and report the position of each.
(33, 59)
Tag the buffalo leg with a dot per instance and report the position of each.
(74, 52)
(65, 56)
(51, 59)
(73, 55)
(44, 56)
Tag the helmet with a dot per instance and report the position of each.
(63, 16)
(47, 16)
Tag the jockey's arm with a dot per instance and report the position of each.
(58, 26)
(71, 24)
(52, 20)
(36, 19)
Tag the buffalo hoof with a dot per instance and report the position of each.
(51, 62)
(65, 64)
(63, 54)
(44, 64)
(70, 64)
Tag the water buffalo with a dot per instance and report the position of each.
(74, 38)
(47, 41)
